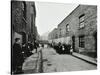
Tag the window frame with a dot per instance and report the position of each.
(81, 21)
(82, 41)
(67, 28)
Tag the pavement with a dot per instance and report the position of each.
(53, 62)
(32, 63)
(29, 65)
(85, 58)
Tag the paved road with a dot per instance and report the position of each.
(53, 62)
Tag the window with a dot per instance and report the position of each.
(67, 27)
(60, 33)
(23, 6)
(24, 9)
(81, 41)
(56, 36)
(81, 21)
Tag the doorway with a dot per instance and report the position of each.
(73, 43)
(95, 38)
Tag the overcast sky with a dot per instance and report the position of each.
(49, 15)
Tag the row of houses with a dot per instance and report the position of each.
(23, 15)
(79, 29)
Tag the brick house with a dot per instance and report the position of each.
(23, 16)
(81, 26)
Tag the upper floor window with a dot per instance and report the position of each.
(24, 9)
(67, 27)
(23, 6)
(81, 21)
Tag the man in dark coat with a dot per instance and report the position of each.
(17, 58)
(25, 50)
(36, 45)
(30, 48)
(60, 48)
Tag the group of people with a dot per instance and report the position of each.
(19, 53)
(62, 48)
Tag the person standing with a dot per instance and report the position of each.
(71, 50)
(35, 45)
(17, 57)
(30, 48)
(24, 50)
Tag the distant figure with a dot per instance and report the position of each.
(24, 50)
(36, 45)
(30, 48)
(42, 45)
(71, 50)
(60, 48)
(68, 48)
(17, 57)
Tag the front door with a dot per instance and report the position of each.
(73, 43)
(95, 37)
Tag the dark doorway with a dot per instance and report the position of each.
(73, 43)
(95, 37)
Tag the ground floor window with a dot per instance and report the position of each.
(81, 41)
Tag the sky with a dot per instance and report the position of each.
(49, 15)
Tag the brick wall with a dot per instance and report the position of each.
(90, 21)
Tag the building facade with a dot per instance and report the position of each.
(80, 26)
(31, 16)
(53, 34)
(23, 16)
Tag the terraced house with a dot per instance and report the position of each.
(79, 29)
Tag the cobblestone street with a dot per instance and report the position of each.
(53, 62)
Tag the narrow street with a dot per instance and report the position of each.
(53, 62)
(52, 37)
